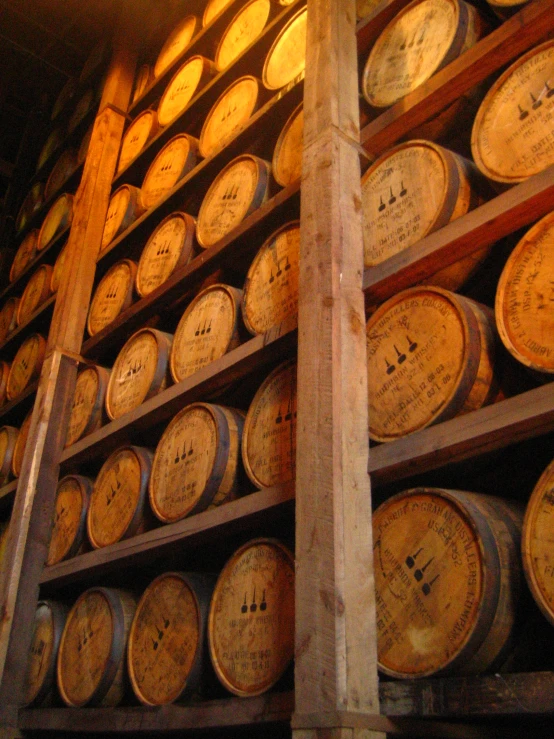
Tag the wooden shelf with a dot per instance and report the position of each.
(15, 406)
(38, 322)
(227, 713)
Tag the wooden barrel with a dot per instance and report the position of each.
(36, 292)
(59, 268)
(242, 31)
(229, 114)
(269, 438)
(62, 170)
(169, 247)
(286, 165)
(287, 57)
(196, 461)
(117, 505)
(208, 329)
(447, 581)
(8, 440)
(24, 255)
(239, 189)
(8, 318)
(82, 109)
(31, 204)
(68, 535)
(176, 43)
(251, 619)
(536, 543)
(124, 208)
(92, 63)
(20, 444)
(113, 295)
(87, 411)
(430, 357)
(4, 374)
(66, 94)
(84, 145)
(165, 656)
(212, 9)
(142, 81)
(140, 371)
(506, 8)
(91, 658)
(58, 218)
(26, 365)
(271, 285)
(172, 163)
(142, 129)
(423, 38)
(524, 323)
(185, 83)
(512, 134)
(40, 679)
(52, 144)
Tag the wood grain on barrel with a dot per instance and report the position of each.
(269, 438)
(141, 130)
(184, 85)
(88, 403)
(61, 171)
(237, 191)
(32, 202)
(41, 672)
(208, 329)
(70, 518)
(26, 365)
(8, 439)
(173, 162)
(286, 165)
(175, 44)
(243, 30)
(251, 621)
(512, 133)
(117, 502)
(214, 8)
(20, 444)
(139, 372)
(58, 270)
(112, 296)
(196, 461)
(36, 292)
(57, 219)
(169, 247)
(271, 285)
(25, 254)
(287, 57)
(8, 317)
(4, 374)
(123, 209)
(229, 114)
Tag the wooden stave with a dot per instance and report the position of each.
(79, 542)
(61, 172)
(139, 518)
(65, 95)
(235, 338)
(260, 193)
(208, 71)
(37, 367)
(222, 483)
(51, 145)
(272, 49)
(201, 586)
(81, 110)
(186, 252)
(158, 69)
(4, 374)
(159, 382)
(20, 263)
(44, 695)
(497, 526)
(20, 444)
(132, 211)
(10, 308)
(31, 204)
(209, 15)
(127, 299)
(189, 163)
(58, 269)
(95, 58)
(152, 130)
(288, 556)
(6, 462)
(471, 390)
(96, 417)
(237, 15)
(278, 175)
(247, 315)
(25, 309)
(142, 80)
(110, 689)
(64, 221)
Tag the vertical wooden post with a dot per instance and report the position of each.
(336, 665)
(31, 520)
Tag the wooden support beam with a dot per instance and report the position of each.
(336, 665)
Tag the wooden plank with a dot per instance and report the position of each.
(521, 32)
(225, 713)
(504, 214)
(245, 512)
(335, 665)
(496, 426)
(37, 322)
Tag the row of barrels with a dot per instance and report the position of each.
(244, 620)
(502, 8)
(198, 463)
